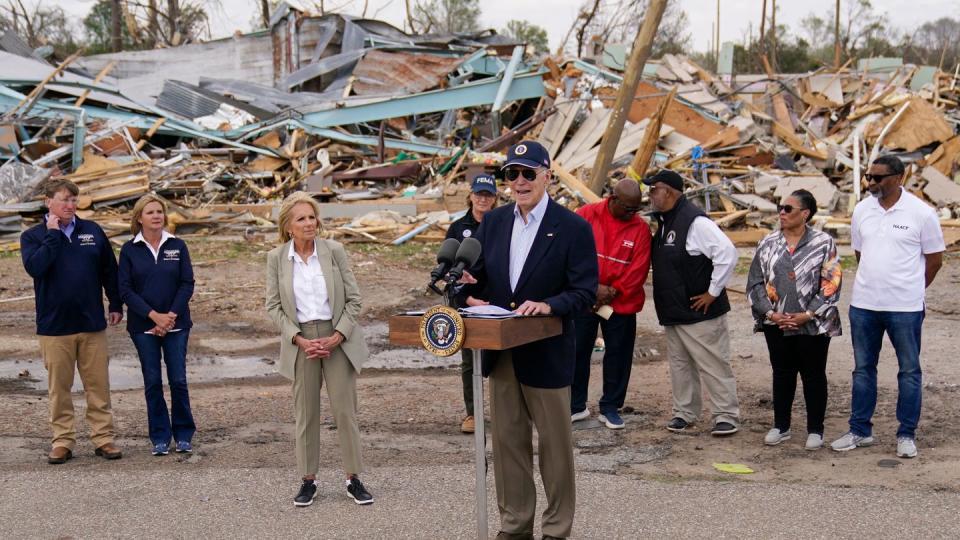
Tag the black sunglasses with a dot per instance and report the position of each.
(625, 208)
(877, 177)
(787, 208)
(513, 174)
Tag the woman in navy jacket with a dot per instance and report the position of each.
(156, 283)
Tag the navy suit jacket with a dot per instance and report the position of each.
(561, 270)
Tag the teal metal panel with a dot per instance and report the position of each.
(923, 76)
(467, 95)
(879, 64)
(725, 65)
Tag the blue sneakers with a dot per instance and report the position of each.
(161, 449)
(611, 419)
(184, 447)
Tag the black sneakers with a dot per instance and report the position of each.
(677, 424)
(357, 492)
(308, 492)
(723, 428)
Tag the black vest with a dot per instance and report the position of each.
(677, 275)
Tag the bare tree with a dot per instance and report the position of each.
(38, 25)
(617, 21)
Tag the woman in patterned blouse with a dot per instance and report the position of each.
(793, 288)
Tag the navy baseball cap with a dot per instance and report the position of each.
(484, 182)
(529, 154)
(666, 176)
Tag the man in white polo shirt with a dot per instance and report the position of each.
(899, 245)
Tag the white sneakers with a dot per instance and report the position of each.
(850, 441)
(906, 447)
(814, 442)
(775, 437)
(582, 415)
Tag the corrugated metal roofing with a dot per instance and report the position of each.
(398, 73)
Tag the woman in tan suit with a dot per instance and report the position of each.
(314, 300)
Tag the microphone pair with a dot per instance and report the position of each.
(453, 258)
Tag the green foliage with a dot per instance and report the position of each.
(97, 26)
(531, 34)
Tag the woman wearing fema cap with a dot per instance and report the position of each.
(482, 199)
(314, 300)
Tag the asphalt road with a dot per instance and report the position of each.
(437, 503)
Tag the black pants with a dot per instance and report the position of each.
(790, 355)
(619, 335)
(466, 376)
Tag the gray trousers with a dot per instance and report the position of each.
(515, 409)
(700, 353)
(341, 381)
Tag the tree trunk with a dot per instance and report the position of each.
(265, 13)
(153, 23)
(116, 43)
(173, 15)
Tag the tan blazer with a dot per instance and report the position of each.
(344, 302)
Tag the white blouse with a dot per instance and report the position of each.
(309, 288)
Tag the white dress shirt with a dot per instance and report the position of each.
(892, 243)
(309, 288)
(706, 238)
(522, 237)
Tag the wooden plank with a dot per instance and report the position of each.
(651, 136)
(684, 119)
(795, 143)
(556, 126)
(746, 237)
(919, 126)
(732, 217)
(728, 206)
(586, 136)
(574, 184)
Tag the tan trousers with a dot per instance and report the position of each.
(85, 352)
(698, 353)
(341, 381)
(515, 408)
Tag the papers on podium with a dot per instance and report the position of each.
(487, 312)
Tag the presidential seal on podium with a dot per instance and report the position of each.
(441, 330)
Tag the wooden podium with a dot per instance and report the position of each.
(480, 334)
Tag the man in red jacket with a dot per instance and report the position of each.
(623, 254)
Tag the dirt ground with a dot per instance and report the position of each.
(411, 406)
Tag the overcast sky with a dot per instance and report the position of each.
(556, 16)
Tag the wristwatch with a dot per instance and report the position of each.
(811, 314)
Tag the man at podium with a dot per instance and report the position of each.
(538, 258)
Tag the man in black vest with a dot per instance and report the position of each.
(692, 263)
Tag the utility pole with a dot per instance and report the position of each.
(773, 40)
(836, 38)
(628, 90)
(717, 41)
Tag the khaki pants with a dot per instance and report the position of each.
(698, 353)
(513, 406)
(341, 389)
(85, 352)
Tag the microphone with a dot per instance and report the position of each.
(466, 257)
(446, 256)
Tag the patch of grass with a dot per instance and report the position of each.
(848, 262)
(9, 254)
(743, 265)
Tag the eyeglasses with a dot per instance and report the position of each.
(877, 177)
(512, 174)
(625, 208)
(786, 208)
(71, 200)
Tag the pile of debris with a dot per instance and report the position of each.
(387, 129)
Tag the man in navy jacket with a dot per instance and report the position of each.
(71, 262)
(538, 258)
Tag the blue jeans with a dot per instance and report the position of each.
(903, 329)
(619, 335)
(173, 348)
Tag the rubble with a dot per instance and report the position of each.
(386, 129)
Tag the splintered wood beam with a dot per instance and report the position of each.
(641, 161)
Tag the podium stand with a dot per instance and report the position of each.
(480, 334)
